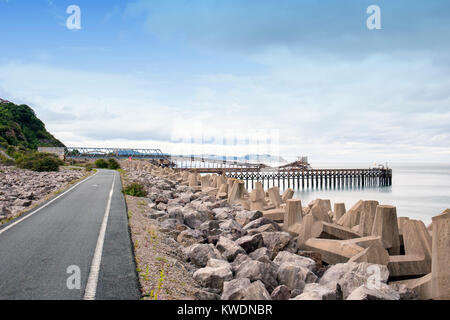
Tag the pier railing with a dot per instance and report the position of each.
(306, 178)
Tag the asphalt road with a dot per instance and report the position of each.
(41, 255)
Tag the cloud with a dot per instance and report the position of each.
(309, 27)
(329, 110)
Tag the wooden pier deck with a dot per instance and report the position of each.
(301, 178)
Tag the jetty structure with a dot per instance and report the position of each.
(298, 174)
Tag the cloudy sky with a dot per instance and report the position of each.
(284, 77)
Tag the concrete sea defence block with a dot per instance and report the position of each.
(326, 230)
(293, 213)
(274, 196)
(339, 210)
(441, 256)
(385, 225)
(332, 251)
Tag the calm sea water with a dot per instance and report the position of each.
(418, 191)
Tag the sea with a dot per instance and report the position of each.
(418, 191)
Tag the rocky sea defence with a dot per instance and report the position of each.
(265, 245)
(21, 189)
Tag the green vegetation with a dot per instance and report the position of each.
(113, 164)
(110, 164)
(135, 190)
(101, 163)
(37, 161)
(20, 127)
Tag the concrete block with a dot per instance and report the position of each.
(385, 225)
(325, 230)
(332, 251)
(339, 210)
(274, 196)
(288, 194)
(367, 217)
(441, 256)
(292, 214)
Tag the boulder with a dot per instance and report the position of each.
(381, 292)
(276, 241)
(232, 228)
(233, 290)
(255, 291)
(189, 237)
(260, 253)
(294, 276)
(250, 243)
(229, 248)
(199, 254)
(300, 261)
(244, 217)
(255, 270)
(260, 222)
(352, 275)
(315, 291)
(281, 293)
(214, 275)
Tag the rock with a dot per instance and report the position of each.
(154, 214)
(352, 275)
(260, 222)
(264, 228)
(229, 248)
(294, 276)
(199, 254)
(260, 253)
(233, 290)
(168, 224)
(161, 206)
(222, 213)
(315, 291)
(189, 237)
(304, 262)
(161, 199)
(256, 291)
(281, 293)
(255, 270)
(214, 275)
(276, 241)
(206, 295)
(191, 220)
(380, 292)
(233, 228)
(209, 225)
(250, 243)
(244, 217)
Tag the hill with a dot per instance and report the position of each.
(19, 126)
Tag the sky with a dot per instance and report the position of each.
(289, 78)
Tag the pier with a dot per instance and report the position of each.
(295, 175)
(306, 178)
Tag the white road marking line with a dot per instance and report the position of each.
(91, 286)
(45, 205)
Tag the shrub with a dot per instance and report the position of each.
(135, 190)
(101, 163)
(113, 164)
(45, 165)
(88, 167)
(37, 161)
(5, 161)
